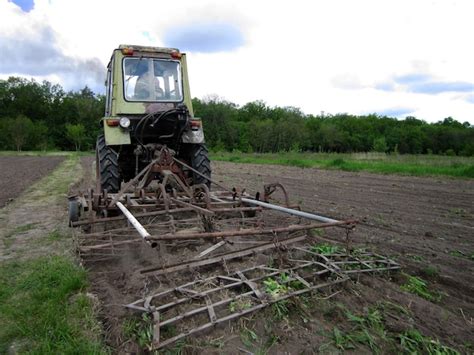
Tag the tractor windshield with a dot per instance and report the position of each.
(151, 79)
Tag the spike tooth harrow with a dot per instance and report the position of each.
(168, 210)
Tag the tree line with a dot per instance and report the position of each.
(42, 116)
(256, 127)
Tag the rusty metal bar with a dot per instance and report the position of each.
(194, 207)
(250, 232)
(254, 291)
(138, 215)
(86, 249)
(201, 174)
(233, 255)
(235, 282)
(131, 182)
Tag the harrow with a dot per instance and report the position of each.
(227, 228)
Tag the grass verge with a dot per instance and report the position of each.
(415, 165)
(42, 308)
(44, 153)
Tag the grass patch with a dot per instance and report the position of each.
(54, 236)
(8, 240)
(44, 153)
(42, 309)
(21, 229)
(417, 165)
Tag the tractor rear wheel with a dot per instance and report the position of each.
(200, 162)
(107, 168)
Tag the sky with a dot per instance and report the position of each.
(390, 57)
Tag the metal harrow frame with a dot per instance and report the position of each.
(167, 210)
(222, 298)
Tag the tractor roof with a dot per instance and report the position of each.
(149, 49)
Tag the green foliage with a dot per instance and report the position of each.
(253, 127)
(413, 342)
(430, 271)
(380, 145)
(417, 165)
(274, 288)
(461, 254)
(76, 133)
(35, 115)
(256, 127)
(341, 340)
(279, 287)
(139, 330)
(326, 249)
(41, 310)
(240, 305)
(418, 286)
(368, 329)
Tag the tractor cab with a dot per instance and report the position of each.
(148, 108)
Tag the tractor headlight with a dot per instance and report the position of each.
(124, 122)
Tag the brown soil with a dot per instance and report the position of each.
(18, 173)
(35, 223)
(426, 224)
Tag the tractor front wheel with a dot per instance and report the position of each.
(107, 168)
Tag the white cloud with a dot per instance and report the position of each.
(317, 55)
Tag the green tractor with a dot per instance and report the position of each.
(148, 109)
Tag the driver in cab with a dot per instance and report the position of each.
(148, 87)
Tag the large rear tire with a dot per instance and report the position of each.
(200, 162)
(107, 166)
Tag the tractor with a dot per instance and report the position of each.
(148, 110)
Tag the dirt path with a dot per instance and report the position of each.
(17, 173)
(40, 212)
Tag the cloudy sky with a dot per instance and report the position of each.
(394, 57)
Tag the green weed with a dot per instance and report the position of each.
(248, 336)
(326, 249)
(368, 328)
(139, 330)
(460, 254)
(342, 340)
(419, 287)
(459, 212)
(280, 309)
(240, 305)
(414, 257)
(316, 232)
(413, 342)
(274, 288)
(430, 271)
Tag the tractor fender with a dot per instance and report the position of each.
(115, 135)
